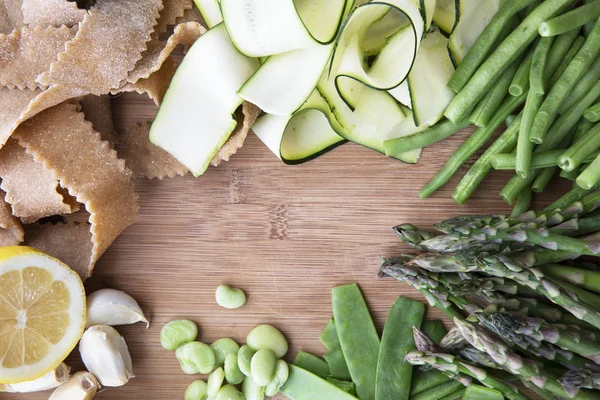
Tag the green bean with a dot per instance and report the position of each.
(439, 391)
(358, 337)
(229, 392)
(196, 391)
(393, 373)
(302, 385)
(233, 374)
(478, 171)
(267, 337)
(524, 145)
(560, 48)
(577, 45)
(215, 381)
(312, 364)
(516, 185)
(471, 145)
(196, 355)
(423, 380)
(559, 92)
(514, 45)
(252, 391)
(229, 297)
(245, 355)
(583, 128)
(222, 348)
(573, 195)
(436, 133)
(262, 366)
(453, 396)
(178, 332)
(346, 386)
(476, 392)
(544, 159)
(592, 114)
(523, 203)
(543, 178)
(489, 104)
(484, 43)
(582, 87)
(590, 175)
(582, 149)
(571, 175)
(282, 373)
(510, 119)
(537, 76)
(573, 19)
(520, 81)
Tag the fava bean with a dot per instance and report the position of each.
(267, 337)
(262, 366)
(178, 332)
(223, 347)
(229, 392)
(282, 372)
(244, 358)
(251, 390)
(197, 355)
(196, 391)
(232, 371)
(229, 297)
(215, 381)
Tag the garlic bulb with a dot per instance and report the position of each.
(105, 354)
(50, 380)
(113, 307)
(81, 386)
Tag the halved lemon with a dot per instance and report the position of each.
(42, 313)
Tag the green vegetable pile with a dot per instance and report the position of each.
(521, 292)
(536, 65)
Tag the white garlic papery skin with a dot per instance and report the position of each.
(48, 381)
(81, 386)
(113, 307)
(105, 354)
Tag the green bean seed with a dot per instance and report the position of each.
(267, 337)
(198, 355)
(196, 391)
(262, 366)
(229, 297)
(178, 332)
(222, 347)
(229, 392)
(215, 381)
(244, 359)
(252, 391)
(282, 372)
(232, 371)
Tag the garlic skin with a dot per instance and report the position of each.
(48, 381)
(113, 307)
(81, 386)
(105, 354)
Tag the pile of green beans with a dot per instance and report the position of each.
(544, 77)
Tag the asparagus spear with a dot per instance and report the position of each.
(525, 368)
(577, 379)
(412, 235)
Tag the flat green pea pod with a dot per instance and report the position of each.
(267, 337)
(196, 391)
(229, 297)
(282, 372)
(232, 371)
(229, 392)
(197, 355)
(223, 347)
(178, 332)
(262, 366)
(251, 390)
(244, 358)
(215, 381)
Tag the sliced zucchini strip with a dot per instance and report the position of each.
(195, 118)
(428, 11)
(474, 16)
(445, 15)
(402, 94)
(266, 27)
(428, 80)
(301, 137)
(210, 11)
(407, 128)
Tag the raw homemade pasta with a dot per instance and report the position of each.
(13, 103)
(51, 12)
(97, 110)
(11, 231)
(173, 10)
(249, 115)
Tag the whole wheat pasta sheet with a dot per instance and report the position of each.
(97, 110)
(173, 10)
(11, 231)
(51, 12)
(13, 102)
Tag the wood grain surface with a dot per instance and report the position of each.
(285, 234)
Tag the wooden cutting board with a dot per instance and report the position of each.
(285, 234)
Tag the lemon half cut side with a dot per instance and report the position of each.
(42, 313)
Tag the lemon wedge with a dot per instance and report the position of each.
(42, 313)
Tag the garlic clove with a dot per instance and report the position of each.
(81, 386)
(113, 307)
(50, 380)
(105, 354)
